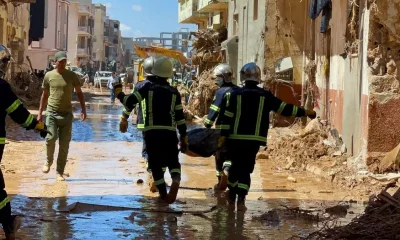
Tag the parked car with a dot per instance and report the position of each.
(101, 78)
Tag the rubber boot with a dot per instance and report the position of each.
(173, 191)
(15, 225)
(231, 198)
(241, 205)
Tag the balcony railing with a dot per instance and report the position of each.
(188, 12)
(106, 38)
(83, 29)
(212, 5)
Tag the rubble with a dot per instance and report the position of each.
(379, 220)
(391, 162)
(27, 87)
(202, 92)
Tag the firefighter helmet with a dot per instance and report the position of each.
(148, 66)
(250, 72)
(5, 59)
(163, 68)
(223, 73)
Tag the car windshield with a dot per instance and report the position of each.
(104, 74)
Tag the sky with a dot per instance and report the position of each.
(145, 18)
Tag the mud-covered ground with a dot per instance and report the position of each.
(105, 201)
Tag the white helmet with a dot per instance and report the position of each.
(162, 68)
(250, 72)
(223, 72)
(148, 65)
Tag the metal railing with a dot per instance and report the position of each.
(82, 50)
(83, 29)
(84, 9)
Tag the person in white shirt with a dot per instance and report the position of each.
(110, 83)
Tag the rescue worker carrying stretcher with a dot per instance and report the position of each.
(248, 118)
(223, 75)
(12, 106)
(141, 110)
(164, 113)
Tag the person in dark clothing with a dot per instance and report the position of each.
(164, 113)
(223, 75)
(10, 105)
(247, 116)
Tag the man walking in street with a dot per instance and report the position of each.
(10, 105)
(58, 85)
(164, 113)
(223, 76)
(247, 117)
(110, 83)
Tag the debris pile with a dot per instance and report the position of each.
(379, 221)
(316, 143)
(27, 87)
(207, 47)
(202, 92)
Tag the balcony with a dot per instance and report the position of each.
(83, 30)
(188, 13)
(83, 52)
(213, 5)
(85, 10)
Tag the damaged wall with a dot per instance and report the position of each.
(384, 61)
(285, 36)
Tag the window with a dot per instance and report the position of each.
(255, 10)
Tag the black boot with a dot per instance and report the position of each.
(241, 205)
(13, 228)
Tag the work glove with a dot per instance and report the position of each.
(123, 124)
(184, 144)
(42, 129)
(311, 114)
(117, 88)
(221, 142)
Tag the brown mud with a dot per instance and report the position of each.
(101, 198)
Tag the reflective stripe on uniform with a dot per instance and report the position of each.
(143, 102)
(238, 113)
(4, 202)
(159, 128)
(160, 181)
(225, 127)
(218, 173)
(281, 107)
(208, 121)
(164, 169)
(140, 126)
(214, 107)
(180, 122)
(175, 170)
(228, 98)
(127, 112)
(179, 107)
(244, 186)
(28, 121)
(13, 106)
(138, 96)
(227, 164)
(233, 184)
(248, 137)
(259, 116)
(151, 108)
(294, 112)
(173, 108)
(228, 114)
(2, 140)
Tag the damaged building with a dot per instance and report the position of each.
(340, 58)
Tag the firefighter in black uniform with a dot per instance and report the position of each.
(164, 113)
(248, 118)
(223, 75)
(12, 106)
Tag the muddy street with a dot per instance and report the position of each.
(103, 199)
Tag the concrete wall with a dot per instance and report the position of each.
(73, 19)
(98, 44)
(250, 32)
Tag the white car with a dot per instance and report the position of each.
(101, 78)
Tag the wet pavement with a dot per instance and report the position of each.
(101, 198)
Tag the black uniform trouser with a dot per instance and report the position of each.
(144, 149)
(243, 158)
(5, 206)
(162, 149)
